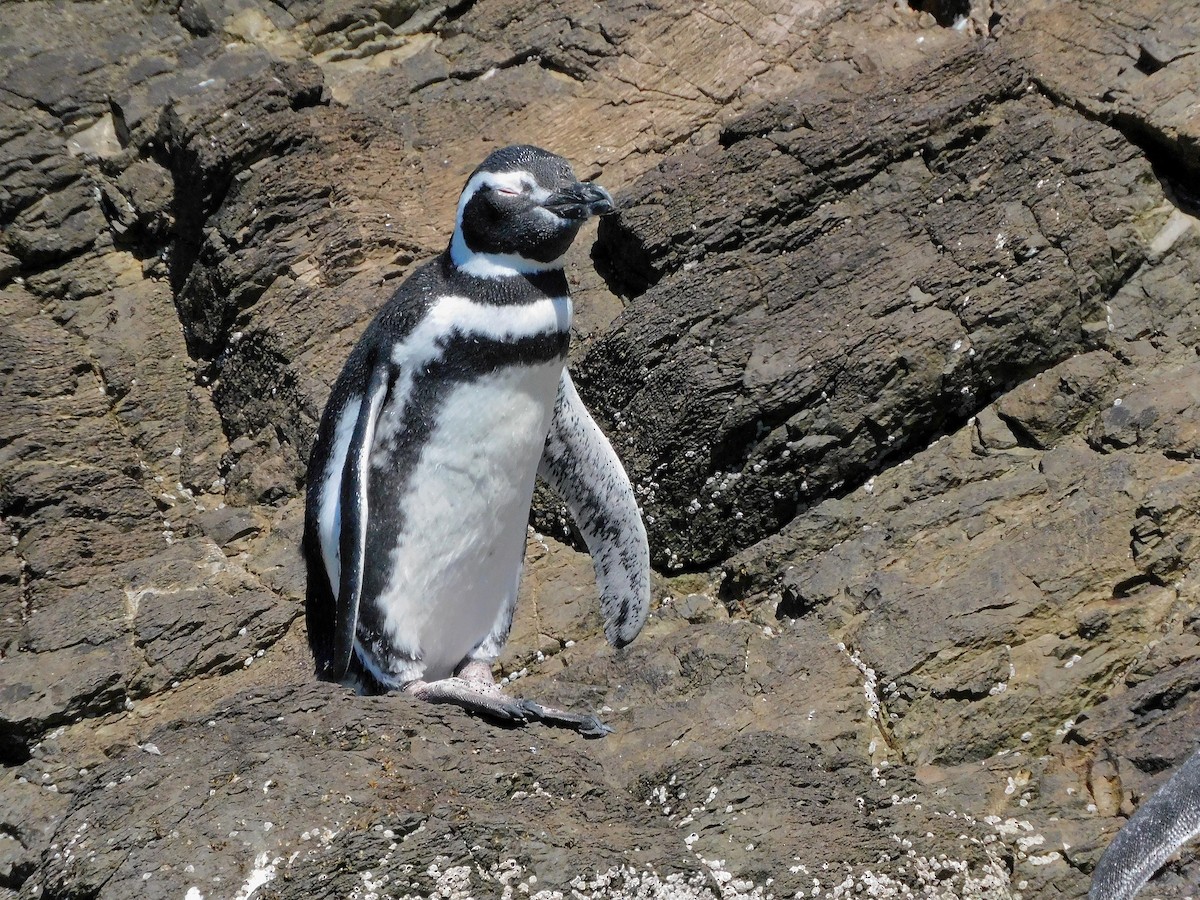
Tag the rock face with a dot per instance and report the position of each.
(896, 330)
(823, 301)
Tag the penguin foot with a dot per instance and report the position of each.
(482, 697)
(586, 724)
(476, 698)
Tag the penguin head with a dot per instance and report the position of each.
(519, 212)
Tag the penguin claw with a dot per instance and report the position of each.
(529, 709)
(593, 728)
(587, 725)
(512, 712)
(485, 699)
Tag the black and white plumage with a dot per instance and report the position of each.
(1161, 825)
(422, 472)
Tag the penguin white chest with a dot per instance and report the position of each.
(457, 559)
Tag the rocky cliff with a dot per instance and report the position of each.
(896, 331)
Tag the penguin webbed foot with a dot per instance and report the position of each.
(484, 698)
(586, 724)
(480, 699)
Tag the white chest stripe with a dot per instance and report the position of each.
(497, 323)
(454, 313)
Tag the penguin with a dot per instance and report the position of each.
(423, 468)
(1161, 825)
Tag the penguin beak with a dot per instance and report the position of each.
(580, 201)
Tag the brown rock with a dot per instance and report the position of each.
(883, 283)
(859, 337)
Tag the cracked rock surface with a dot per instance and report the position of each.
(896, 330)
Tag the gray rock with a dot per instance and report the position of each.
(953, 660)
(858, 338)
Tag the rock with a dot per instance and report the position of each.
(145, 187)
(697, 608)
(228, 524)
(937, 322)
(1132, 70)
(258, 777)
(62, 225)
(1156, 420)
(146, 626)
(27, 819)
(925, 616)
(1045, 409)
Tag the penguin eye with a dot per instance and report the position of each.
(507, 192)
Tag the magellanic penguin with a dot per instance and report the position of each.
(1161, 825)
(422, 472)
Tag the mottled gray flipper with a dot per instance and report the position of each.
(579, 463)
(352, 539)
(1161, 825)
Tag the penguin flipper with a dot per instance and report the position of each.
(580, 464)
(352, 539)
(1161, 825)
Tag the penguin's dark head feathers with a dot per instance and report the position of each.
(520, 211)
